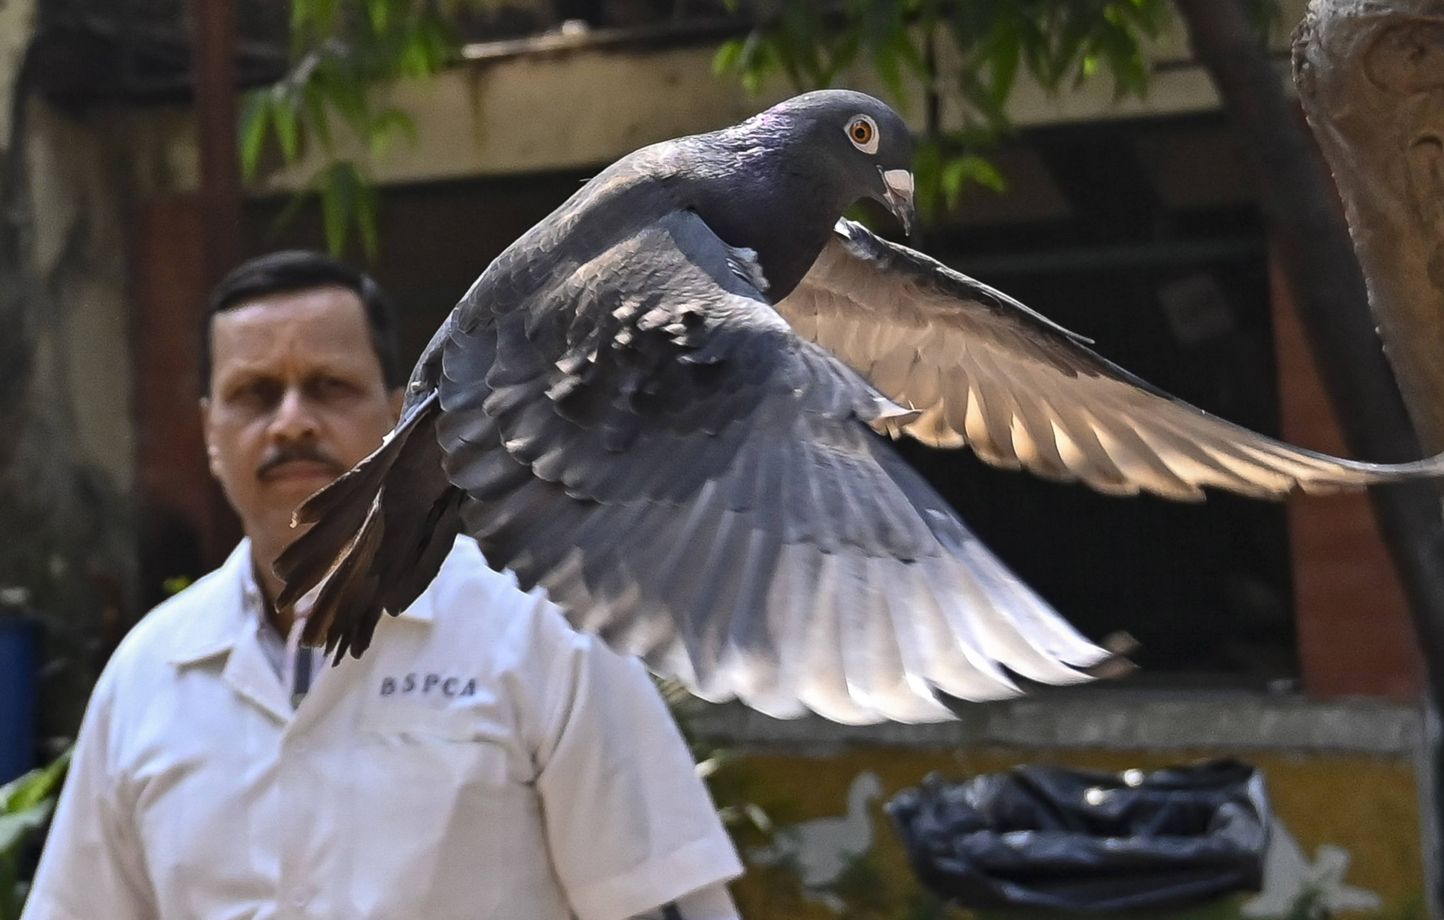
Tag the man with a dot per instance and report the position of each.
(484, 761)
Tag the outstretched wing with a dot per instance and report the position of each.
(640, 433)
(982, 369)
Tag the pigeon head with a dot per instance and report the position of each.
(859, 147)
(777, 183)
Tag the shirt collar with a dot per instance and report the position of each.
(218, 611)
(227, 603)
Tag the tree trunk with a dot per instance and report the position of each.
(1371, 80)
(1370, 88)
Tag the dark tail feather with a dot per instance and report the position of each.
(337, 514)
(379, 535)
(350, 594)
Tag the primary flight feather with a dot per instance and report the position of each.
(663, 404)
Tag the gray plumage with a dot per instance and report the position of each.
(663, 404)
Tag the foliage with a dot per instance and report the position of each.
(339, 50)
(971, 50)
(987, 44)
(1057, 41)
(25, 806)
(342, 48)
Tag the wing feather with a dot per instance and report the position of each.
(751, 534)
(986, 371)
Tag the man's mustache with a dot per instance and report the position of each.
(296, 453)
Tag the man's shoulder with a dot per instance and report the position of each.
(468, 597)
(184, 620)
(467, 580)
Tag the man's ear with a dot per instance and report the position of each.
(398, 397)
(212, 455)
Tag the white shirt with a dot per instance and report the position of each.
(482, 760)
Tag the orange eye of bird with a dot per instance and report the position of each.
(862, 131)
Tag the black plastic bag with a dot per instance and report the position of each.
(1070, 840)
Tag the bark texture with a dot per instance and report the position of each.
(1370, 75)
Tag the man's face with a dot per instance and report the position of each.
(297, 397)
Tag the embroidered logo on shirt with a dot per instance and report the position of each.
(425, 684)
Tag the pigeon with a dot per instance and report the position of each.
(669, 404)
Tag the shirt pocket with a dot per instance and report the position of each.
(451, 752)
(443, 723)
(442, 792)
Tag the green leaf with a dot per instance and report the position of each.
(300, 16)
(16, 827)
(313, 101)
(728, 57)
(347, 201)
(983, 172)
(983, 102)
(753, 61)
(324, 13)
(25, 805)
(366, 221)
(284, 117)
(957, 172)
(34, 787)
(347, 96)
(340, 51)
(337, 205)
(255, 110)
(1003, 54)
(954, 174)
(927, 173)
(386, 126)
(911, 55)
(379, 12)
(888, 69)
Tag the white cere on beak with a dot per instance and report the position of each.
(899, 182)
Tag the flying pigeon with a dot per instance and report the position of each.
(664, 403)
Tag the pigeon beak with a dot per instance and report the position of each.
(898, 194)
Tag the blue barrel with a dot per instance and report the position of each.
(19, 641)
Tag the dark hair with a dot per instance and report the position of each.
(297, 270)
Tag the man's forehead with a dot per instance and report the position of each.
(329, 319)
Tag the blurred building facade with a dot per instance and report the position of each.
(1275, 633)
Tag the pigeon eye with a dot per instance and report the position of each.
(862, 131)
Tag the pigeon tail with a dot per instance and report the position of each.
(379, 535)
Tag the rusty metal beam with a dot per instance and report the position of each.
(214, 34)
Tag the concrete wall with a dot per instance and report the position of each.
(80, 249)
(82, 373)
(17, 18)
